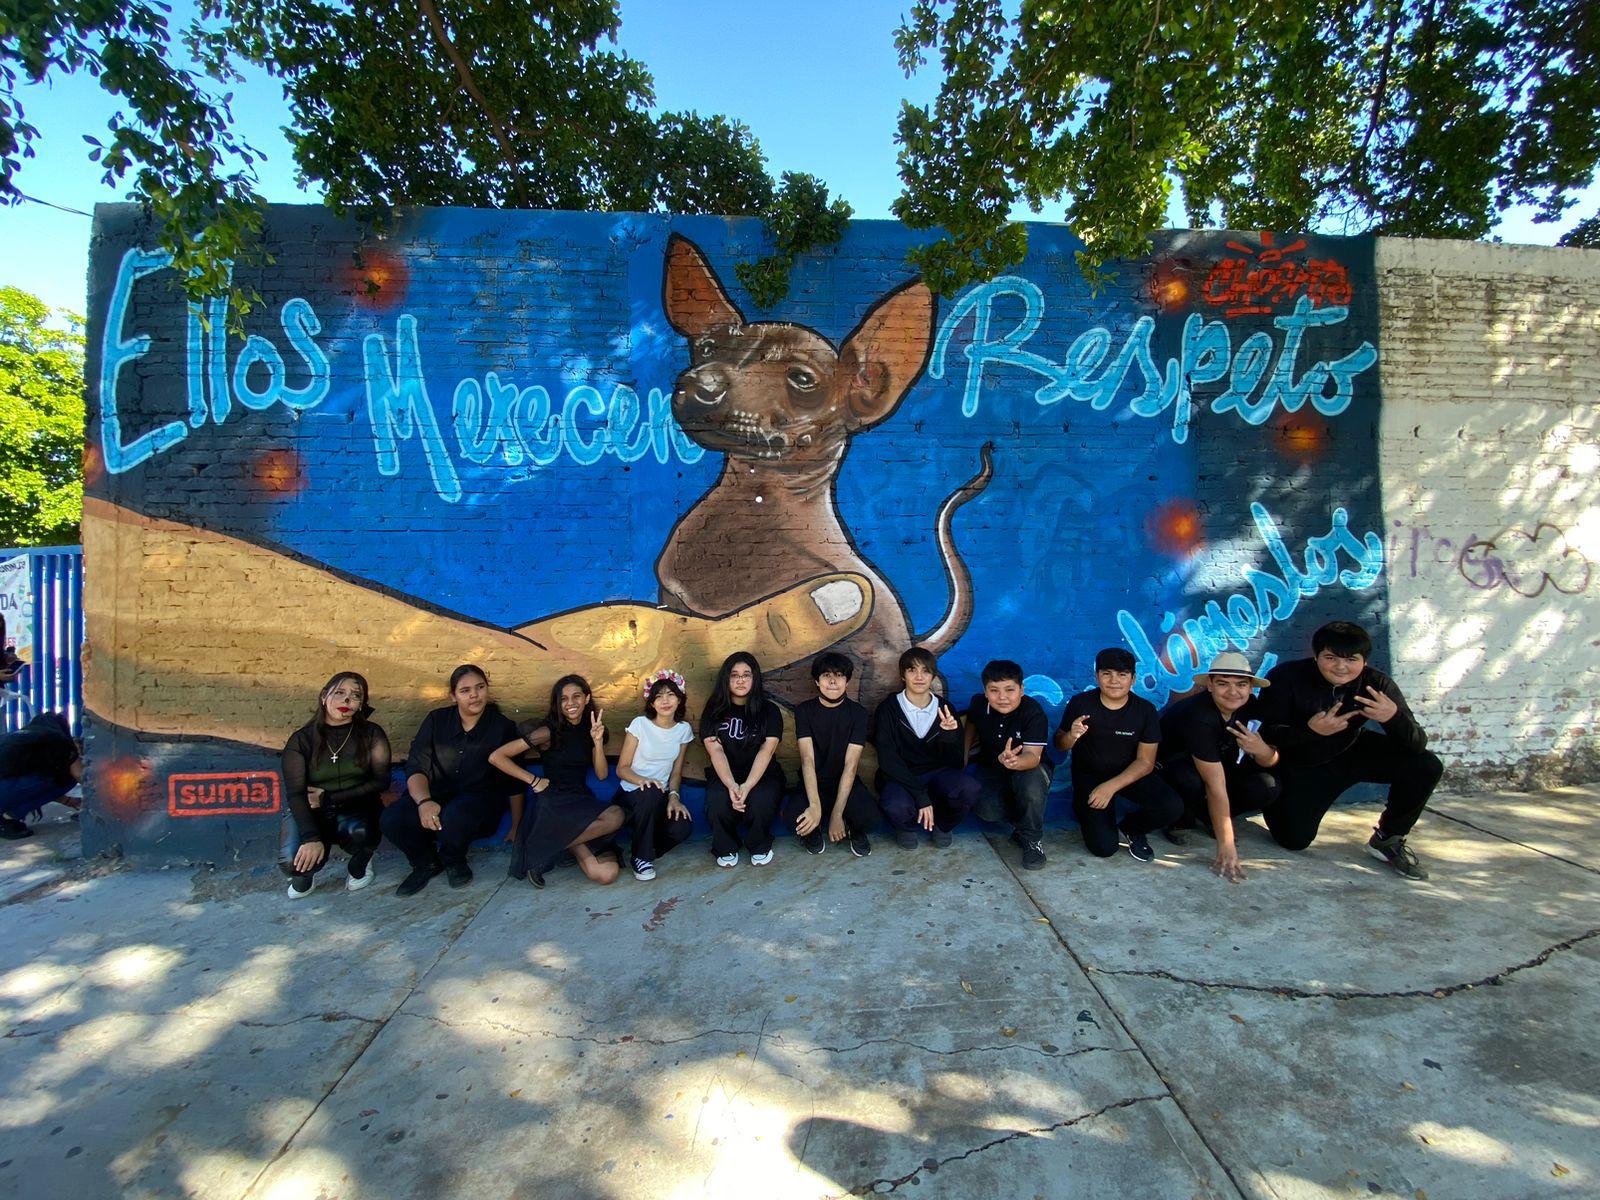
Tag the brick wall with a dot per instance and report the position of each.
(551, 442)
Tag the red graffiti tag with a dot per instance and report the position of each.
(1259, 279)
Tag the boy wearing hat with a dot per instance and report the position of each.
(1212, 756)
(1113, 736)
(1316, 713)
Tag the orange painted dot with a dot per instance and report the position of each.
(1176, 528)
(280, 472)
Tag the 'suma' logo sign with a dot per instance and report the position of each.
(224, 793)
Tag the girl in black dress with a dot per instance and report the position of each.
(570, 742)
(335, 770)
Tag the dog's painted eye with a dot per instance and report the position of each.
(705, 345)
(801, 379)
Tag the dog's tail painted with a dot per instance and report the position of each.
(959, 614)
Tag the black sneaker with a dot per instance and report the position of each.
(905, 839)
(458, 875)
(860, 846)
(1032, 854)
(1173, 835)
(1139, 847)
(537, 879)
(418, 879)
(14, 830)
(815, 842)
(942, 837)
(1395, 852)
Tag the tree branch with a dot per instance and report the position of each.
(1381, 93)
(502, 138)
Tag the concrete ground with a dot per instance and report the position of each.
(939, 1023)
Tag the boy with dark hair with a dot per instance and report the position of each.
(1114, 736)
(1005, 739)
(920, 780)
(1315, 713)
(1212, 755)
(831, 729)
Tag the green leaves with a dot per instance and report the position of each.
(1390, 116)
(41, 422)
(800, 218)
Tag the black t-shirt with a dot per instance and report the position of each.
(741, 737)
(1025, 725)
(832, 730)
(1193, 728)
(1111, 743)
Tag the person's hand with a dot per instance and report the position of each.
(539, 784)
(1007, 757)
(675, 809)
(736, 794)
(1249, 740)
(836, 829)
(428, 813)
(1375, 706)
(947, 719)
(1102, 796)
(1330, 721)
(314, 797)
(309, 857)
(1226, 863)
(597, 727)
(1079, 728)
(808, 821)
(925, 817)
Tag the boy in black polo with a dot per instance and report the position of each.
(1213, 758)
(832, 805)
(1005, 739)
(1113, 736)
(1316, 713)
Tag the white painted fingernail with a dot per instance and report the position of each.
(838, 600)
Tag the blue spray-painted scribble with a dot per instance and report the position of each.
(1206, 356)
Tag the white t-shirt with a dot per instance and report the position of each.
(657, 750)
(921, 719)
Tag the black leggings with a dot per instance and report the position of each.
(355, 831)
(1309, 791)
(753, 826)
(1155, 806)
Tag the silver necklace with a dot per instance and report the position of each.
(334, 754)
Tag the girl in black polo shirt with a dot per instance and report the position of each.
(741, 728)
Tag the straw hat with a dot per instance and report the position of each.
(1234, 665)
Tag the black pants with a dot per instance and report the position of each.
(654, 833)
(1250, 789)
(355, 831)
(952, 793)
(1155, 806)
(1309, 791)
(463, 820)
(1017, 797)
(861, 813)
(753, 826)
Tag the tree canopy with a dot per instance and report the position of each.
(41, 422)
(1401, 117)
(487, 103)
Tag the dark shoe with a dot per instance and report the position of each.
(1395, 852)
(942, 837)
(860, 846)
(300, 886)
(537, 879)
(458, 875)
(1139, 847)
(418, 879)
(905, 839)
(815, 842)
(14, 830)
(1173, 835)
(1032, 854)
(1016, 839)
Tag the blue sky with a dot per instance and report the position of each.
(817, 83)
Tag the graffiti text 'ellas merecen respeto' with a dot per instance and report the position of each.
(1207, 356)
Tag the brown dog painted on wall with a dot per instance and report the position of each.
(781, 404)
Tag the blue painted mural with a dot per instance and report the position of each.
(557, 441)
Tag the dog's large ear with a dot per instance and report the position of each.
(692, 294)
(886, 354)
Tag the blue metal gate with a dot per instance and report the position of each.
(44, 621)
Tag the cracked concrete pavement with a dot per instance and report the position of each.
(940, 1022)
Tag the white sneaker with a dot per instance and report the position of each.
(295, 893)
(643, 870)
(356, 882)
(728, 860)
(761, 860)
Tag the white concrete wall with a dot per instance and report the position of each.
(1490, 458)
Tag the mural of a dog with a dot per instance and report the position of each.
(781, 403)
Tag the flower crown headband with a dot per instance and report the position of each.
(666, 674)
